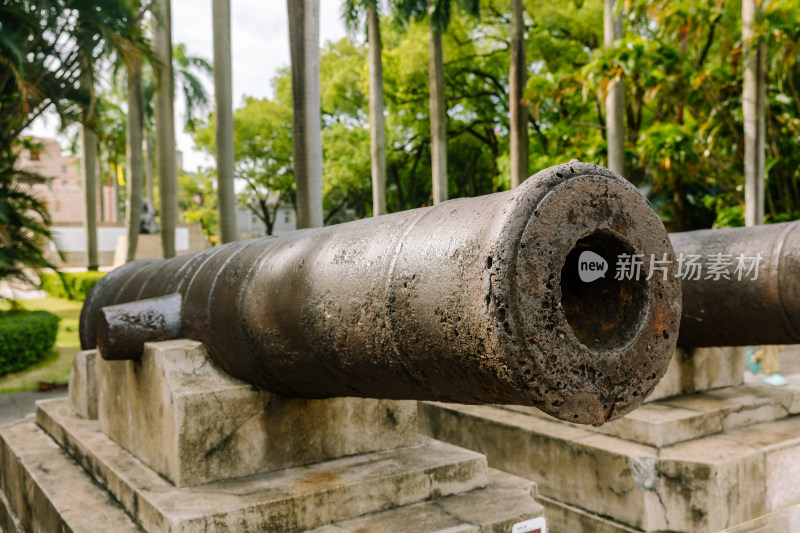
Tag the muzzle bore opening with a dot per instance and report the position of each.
(604, 312)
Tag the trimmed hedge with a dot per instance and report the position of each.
(76, 285)
(25, 338)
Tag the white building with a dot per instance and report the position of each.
(249, 226)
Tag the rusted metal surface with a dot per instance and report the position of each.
(475, 300)
(123, 329)
(729, 311)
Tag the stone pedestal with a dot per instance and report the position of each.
(171, 444)
(193, 424)
(701, 369)
(698, 462)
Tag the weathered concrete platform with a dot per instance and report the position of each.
(697, 463)
(700, 369)
(44, 489)
(65, 472)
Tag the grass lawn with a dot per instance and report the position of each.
(56, 365)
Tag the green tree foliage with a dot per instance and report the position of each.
(70, 285)
(197, 201)
(476, 75)
(681, 65)
(48, 49)
(262, 146)
(477, 72)
(682, 62)
(45, 46)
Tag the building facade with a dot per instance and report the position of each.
(60, 183)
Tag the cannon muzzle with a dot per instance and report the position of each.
(506, 298)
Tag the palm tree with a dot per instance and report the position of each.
(615, 99)
(111, 127)
(353, 12)
(753, 108)
(306, 119)
(517, 78)
(89, 168)
(40, 66)
(102, 29)
(121, 130)
(223, 118)
(187, 71)
(165, 126)
(48, 50)
(439, 13)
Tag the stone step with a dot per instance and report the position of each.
(496, 507)
(678, 419)
(295, 499)
(699, 485)
(9, 523)
(44, 489)
(565, 518)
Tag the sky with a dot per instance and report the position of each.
(260, 46)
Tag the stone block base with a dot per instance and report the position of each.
(193, 424)
(701, 463)
(83, 383)
(428, 486)
(364, 468)
(700, 369)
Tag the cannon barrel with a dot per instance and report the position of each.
(474, 300)
(726, 301)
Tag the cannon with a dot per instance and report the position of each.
(743, 287)
(474, 300)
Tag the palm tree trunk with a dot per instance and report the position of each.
(306, 118)
(438, 112)
(376, 107)
(134, 132)
(223, 117)
(101, 195)
(517, 78)
(149, 168)
(114, 207)
(753, 149)
(615, 99)
(761, 146)
(165, 129)
(89, 160)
